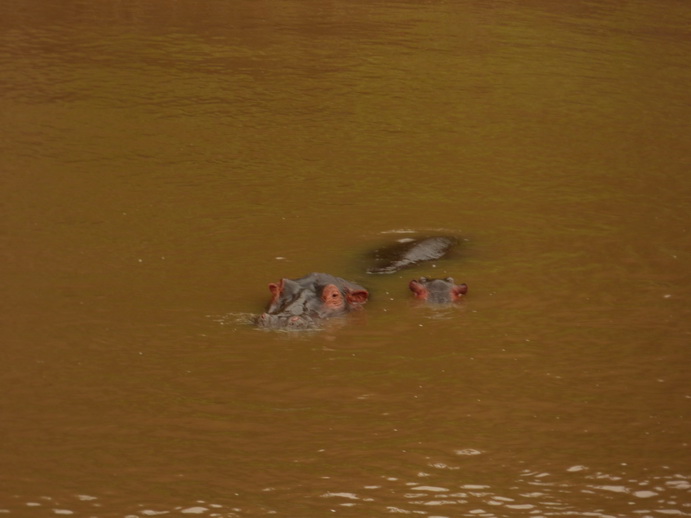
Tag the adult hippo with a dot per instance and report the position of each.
(303, 303)
(409, 252)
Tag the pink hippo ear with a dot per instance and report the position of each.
(357, 296)
(459, 289)
(418, 289)
(276, 289)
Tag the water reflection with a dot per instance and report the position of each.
(587, 492)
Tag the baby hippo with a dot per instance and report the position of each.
(437, 290)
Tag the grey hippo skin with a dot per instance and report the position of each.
(304, 303)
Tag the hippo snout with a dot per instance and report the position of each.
(269, 321)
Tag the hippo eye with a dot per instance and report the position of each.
(449, 279)
(423, 279)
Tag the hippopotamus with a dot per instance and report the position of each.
(409, 252)
(437, 290)
(304, 303)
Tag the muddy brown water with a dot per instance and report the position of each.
(162, 162)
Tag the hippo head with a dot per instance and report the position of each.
(437, 290)
(303, 303)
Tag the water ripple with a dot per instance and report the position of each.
(575, 491)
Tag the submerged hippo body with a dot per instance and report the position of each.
(303, 303)
(437, 290)
(404, 254)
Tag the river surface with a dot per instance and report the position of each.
(163, 161)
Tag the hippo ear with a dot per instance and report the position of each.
(358, 296)
(460, 289)
(418, 289)
(276, 288)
